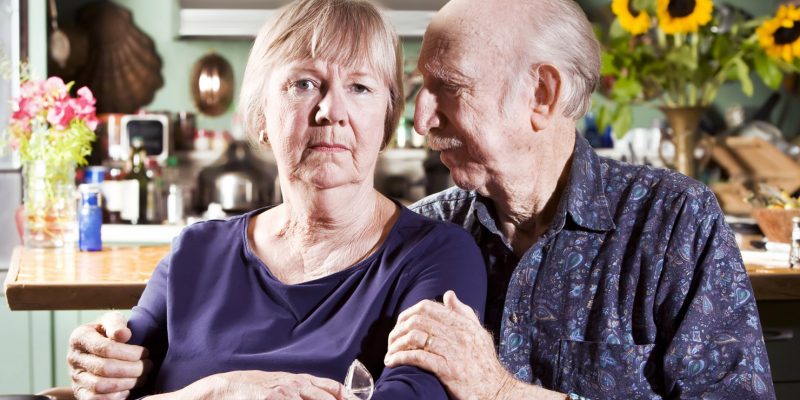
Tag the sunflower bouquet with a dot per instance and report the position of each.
(678, 53)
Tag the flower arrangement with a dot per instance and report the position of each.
(48, 124)
(679, 52)
(52, 132)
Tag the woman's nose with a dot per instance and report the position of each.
(332, 109)
(425, 112)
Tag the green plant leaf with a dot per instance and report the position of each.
(617, 31)
(625, 90)
(682, 57)
(607, 66)
(768, 71)
(743, 74)
(622, 121)
(603, 116)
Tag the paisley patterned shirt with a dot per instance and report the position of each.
(636, 291)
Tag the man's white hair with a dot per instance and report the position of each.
(560, 34)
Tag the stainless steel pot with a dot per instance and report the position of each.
(238, 181)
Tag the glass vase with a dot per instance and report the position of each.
(50, 202)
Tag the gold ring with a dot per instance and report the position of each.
(428, 342)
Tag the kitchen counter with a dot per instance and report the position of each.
(63, 279)
(67, 279)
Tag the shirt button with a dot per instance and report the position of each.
(513, 318)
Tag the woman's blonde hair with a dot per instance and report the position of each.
(345, 32)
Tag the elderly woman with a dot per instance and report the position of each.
(278, 302)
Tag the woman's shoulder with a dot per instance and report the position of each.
(207, 233)
(429, 240)
(413, 224)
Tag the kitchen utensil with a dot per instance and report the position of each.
(238, 180)
(59, 42)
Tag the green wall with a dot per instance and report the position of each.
(159, 19)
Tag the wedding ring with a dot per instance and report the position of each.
(428, 342)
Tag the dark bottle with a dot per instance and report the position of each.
(138, 172)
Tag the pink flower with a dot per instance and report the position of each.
(30, 89)
(86, 94)
(13, 142)
(84, 105)
(91, 121)
(60, 114)
(55, 87)
(26, 108)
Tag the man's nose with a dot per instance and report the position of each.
(426, 116)
(332, 108)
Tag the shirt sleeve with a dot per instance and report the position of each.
(148, 321)
(709, 321)
(451, 261)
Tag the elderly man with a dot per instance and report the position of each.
(607, 280)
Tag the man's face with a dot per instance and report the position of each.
(467, 105)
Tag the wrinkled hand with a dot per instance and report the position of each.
(266, 385)
(459, 352)
(101, 364)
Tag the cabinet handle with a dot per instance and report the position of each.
(777, 334)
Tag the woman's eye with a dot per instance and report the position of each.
(359, 88)
(304, 84)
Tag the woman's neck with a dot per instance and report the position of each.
(315, 233)
(311, 215)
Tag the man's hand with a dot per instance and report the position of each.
(449, 341)
(260, 385)
(101, 364)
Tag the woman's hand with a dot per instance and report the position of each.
(102, 366)
(261, 385)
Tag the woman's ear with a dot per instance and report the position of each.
(546, 90)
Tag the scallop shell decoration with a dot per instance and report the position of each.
(123, 68)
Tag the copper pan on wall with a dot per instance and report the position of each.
(212, 84)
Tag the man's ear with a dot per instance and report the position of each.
(546, 89)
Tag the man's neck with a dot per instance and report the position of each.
(526, 200)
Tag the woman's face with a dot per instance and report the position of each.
(325, 123)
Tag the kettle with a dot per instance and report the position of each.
(239, 181)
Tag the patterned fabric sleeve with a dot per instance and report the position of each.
(707, 313)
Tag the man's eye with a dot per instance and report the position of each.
(453, 89)
(359, 88)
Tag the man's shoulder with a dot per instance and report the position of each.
(447, 205)
(646, 184)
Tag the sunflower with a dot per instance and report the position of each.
(634, 21)
(779, 36)
(683, 16)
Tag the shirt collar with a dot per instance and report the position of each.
(584, 199)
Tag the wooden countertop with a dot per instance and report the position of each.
(66, 279)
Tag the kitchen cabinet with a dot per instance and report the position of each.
(33, 347)
(780, 321)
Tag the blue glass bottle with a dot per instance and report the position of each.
(90, 218)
